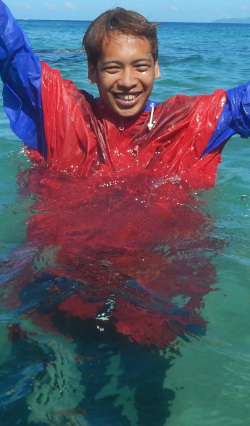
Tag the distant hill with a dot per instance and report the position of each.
(232, 21)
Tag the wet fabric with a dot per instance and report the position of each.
(20, 71)
(235, 117)
(132, 253)
(83, 138)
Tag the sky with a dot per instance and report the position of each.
(160, 10)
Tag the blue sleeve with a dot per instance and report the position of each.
(21, 74)
(235, 117)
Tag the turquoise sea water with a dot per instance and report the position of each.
(76, 377)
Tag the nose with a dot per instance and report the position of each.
(127, 78)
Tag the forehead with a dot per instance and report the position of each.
(125, 47)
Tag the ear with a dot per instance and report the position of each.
(92, 74)
(157, 70)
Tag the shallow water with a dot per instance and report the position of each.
(59, 368)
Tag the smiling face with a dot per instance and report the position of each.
(125, 74)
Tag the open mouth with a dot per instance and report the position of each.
(127, 98)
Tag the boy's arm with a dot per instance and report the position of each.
(20, 71)
(235, 117)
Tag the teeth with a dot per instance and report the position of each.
(127, 98)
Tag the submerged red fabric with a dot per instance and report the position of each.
(84, 139)
(141, 241)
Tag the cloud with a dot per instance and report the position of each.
(50, 6)
(69, 5)
(27, 6)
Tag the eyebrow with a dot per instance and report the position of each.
(114, 61)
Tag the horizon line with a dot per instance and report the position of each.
(218, 21)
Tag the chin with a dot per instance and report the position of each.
(129, 112)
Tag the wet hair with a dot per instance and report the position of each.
(118, 20)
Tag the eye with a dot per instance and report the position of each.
(112, 69)
(142, 67)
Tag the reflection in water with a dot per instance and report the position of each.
(113, 271)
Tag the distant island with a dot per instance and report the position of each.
(232, 21)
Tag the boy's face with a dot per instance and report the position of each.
(125, 74)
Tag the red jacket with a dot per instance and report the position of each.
(83, 138)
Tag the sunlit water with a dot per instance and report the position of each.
(172, 354)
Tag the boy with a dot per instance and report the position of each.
(119, 251)
(122, 129)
